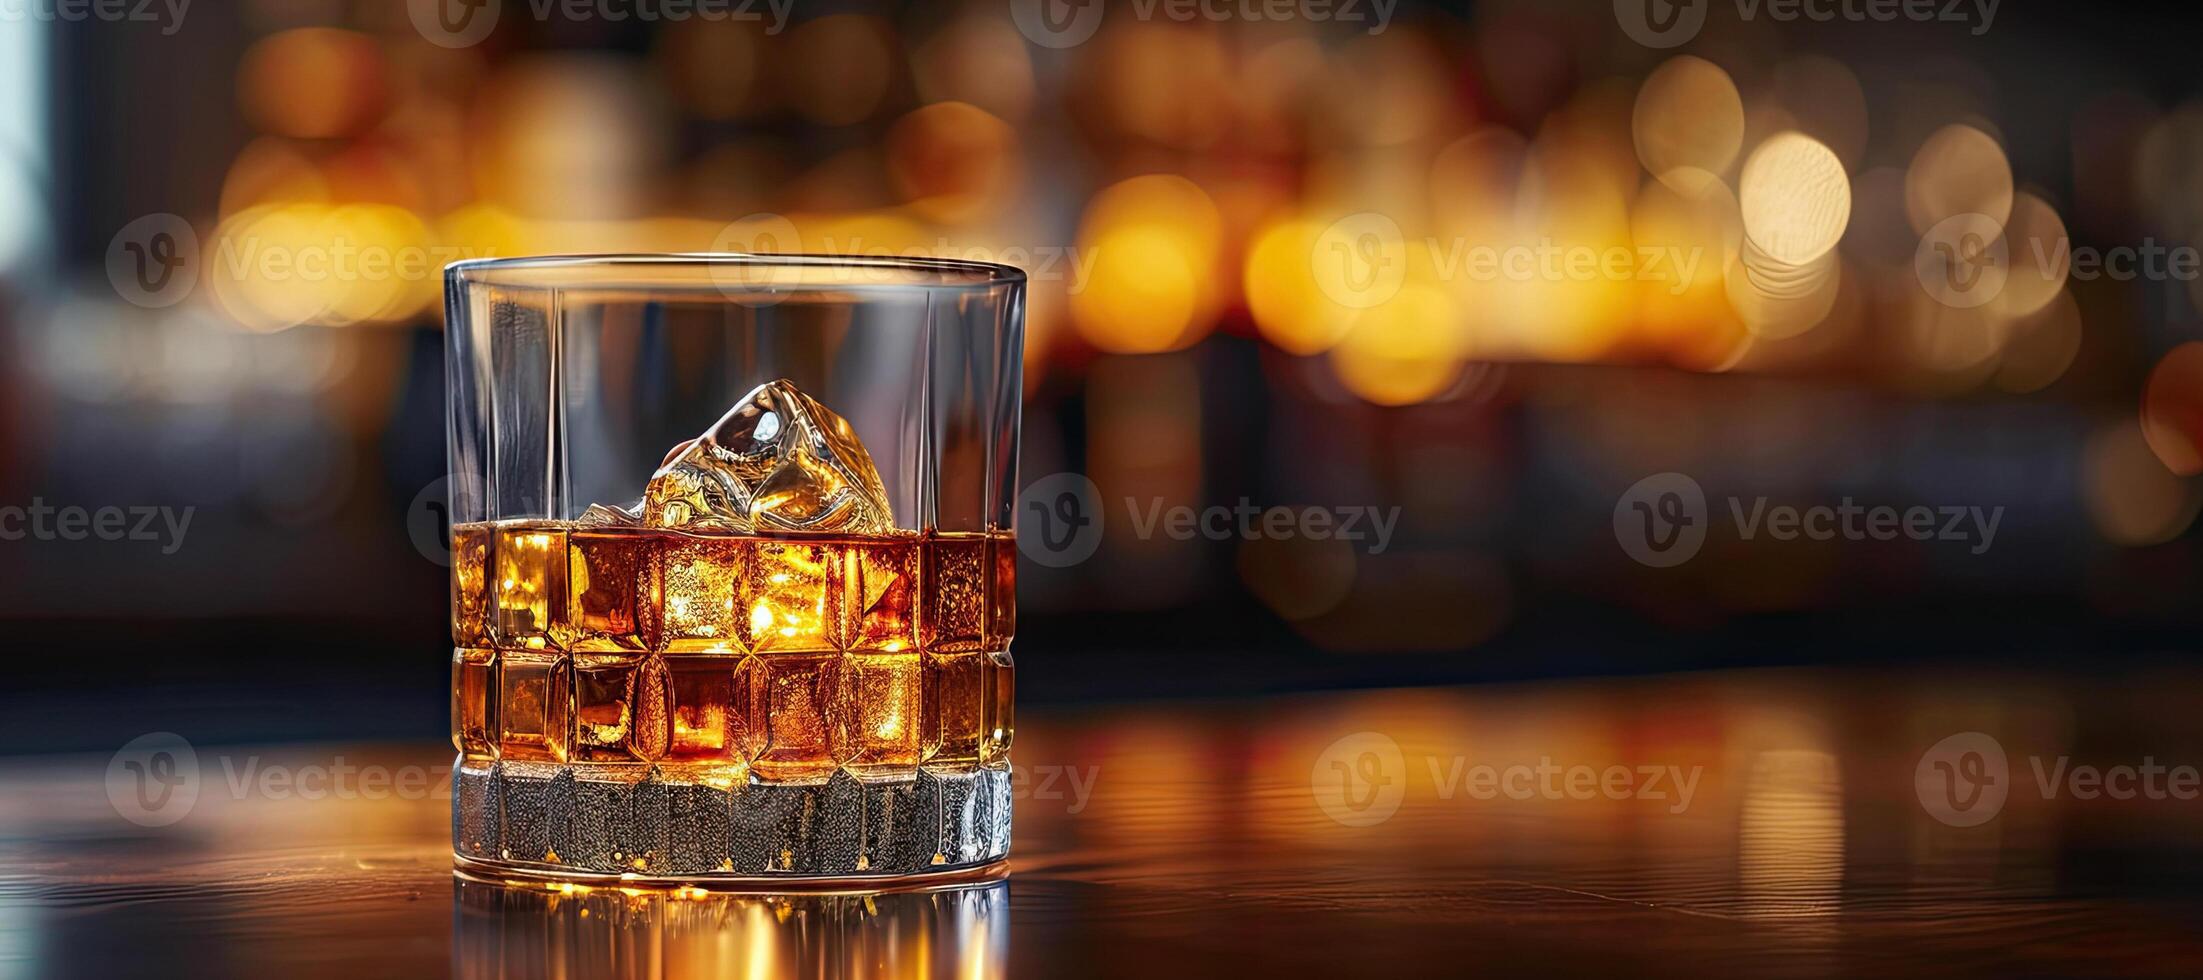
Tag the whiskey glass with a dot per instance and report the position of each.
(733, 577)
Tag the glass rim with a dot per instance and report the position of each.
(920, 272)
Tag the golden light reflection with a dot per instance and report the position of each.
(1473, 183)
(1697, 221)
(1289, 306)
(312, 82)
(2132, 498)
(272, 170)
(980, 60)
(1154, 242)
(1685, 313)
(2165, 164)
(2038, 254)
(1161, 82)
(1387, 89)
(1688, 114)
(1748, 152)
(1956, 347)
(1959, 170)
(1824, 100)
(571, 136)
(1404, 350)
(1777, 301)
(2172, 409)
(1794, 197)
(1790, 835)
(954, 161)
(581, 931)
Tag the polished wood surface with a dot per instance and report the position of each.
(1767, 822)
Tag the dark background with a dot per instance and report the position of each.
(299, 606)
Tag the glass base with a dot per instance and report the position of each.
(600, 823)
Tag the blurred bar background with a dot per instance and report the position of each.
(1174, 187)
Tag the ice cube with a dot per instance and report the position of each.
(778, 460)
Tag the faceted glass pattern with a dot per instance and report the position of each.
(780, 658)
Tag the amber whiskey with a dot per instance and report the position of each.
(732, 658)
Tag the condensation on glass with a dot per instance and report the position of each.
(733, 564)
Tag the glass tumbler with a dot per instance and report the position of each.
(733, 577)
